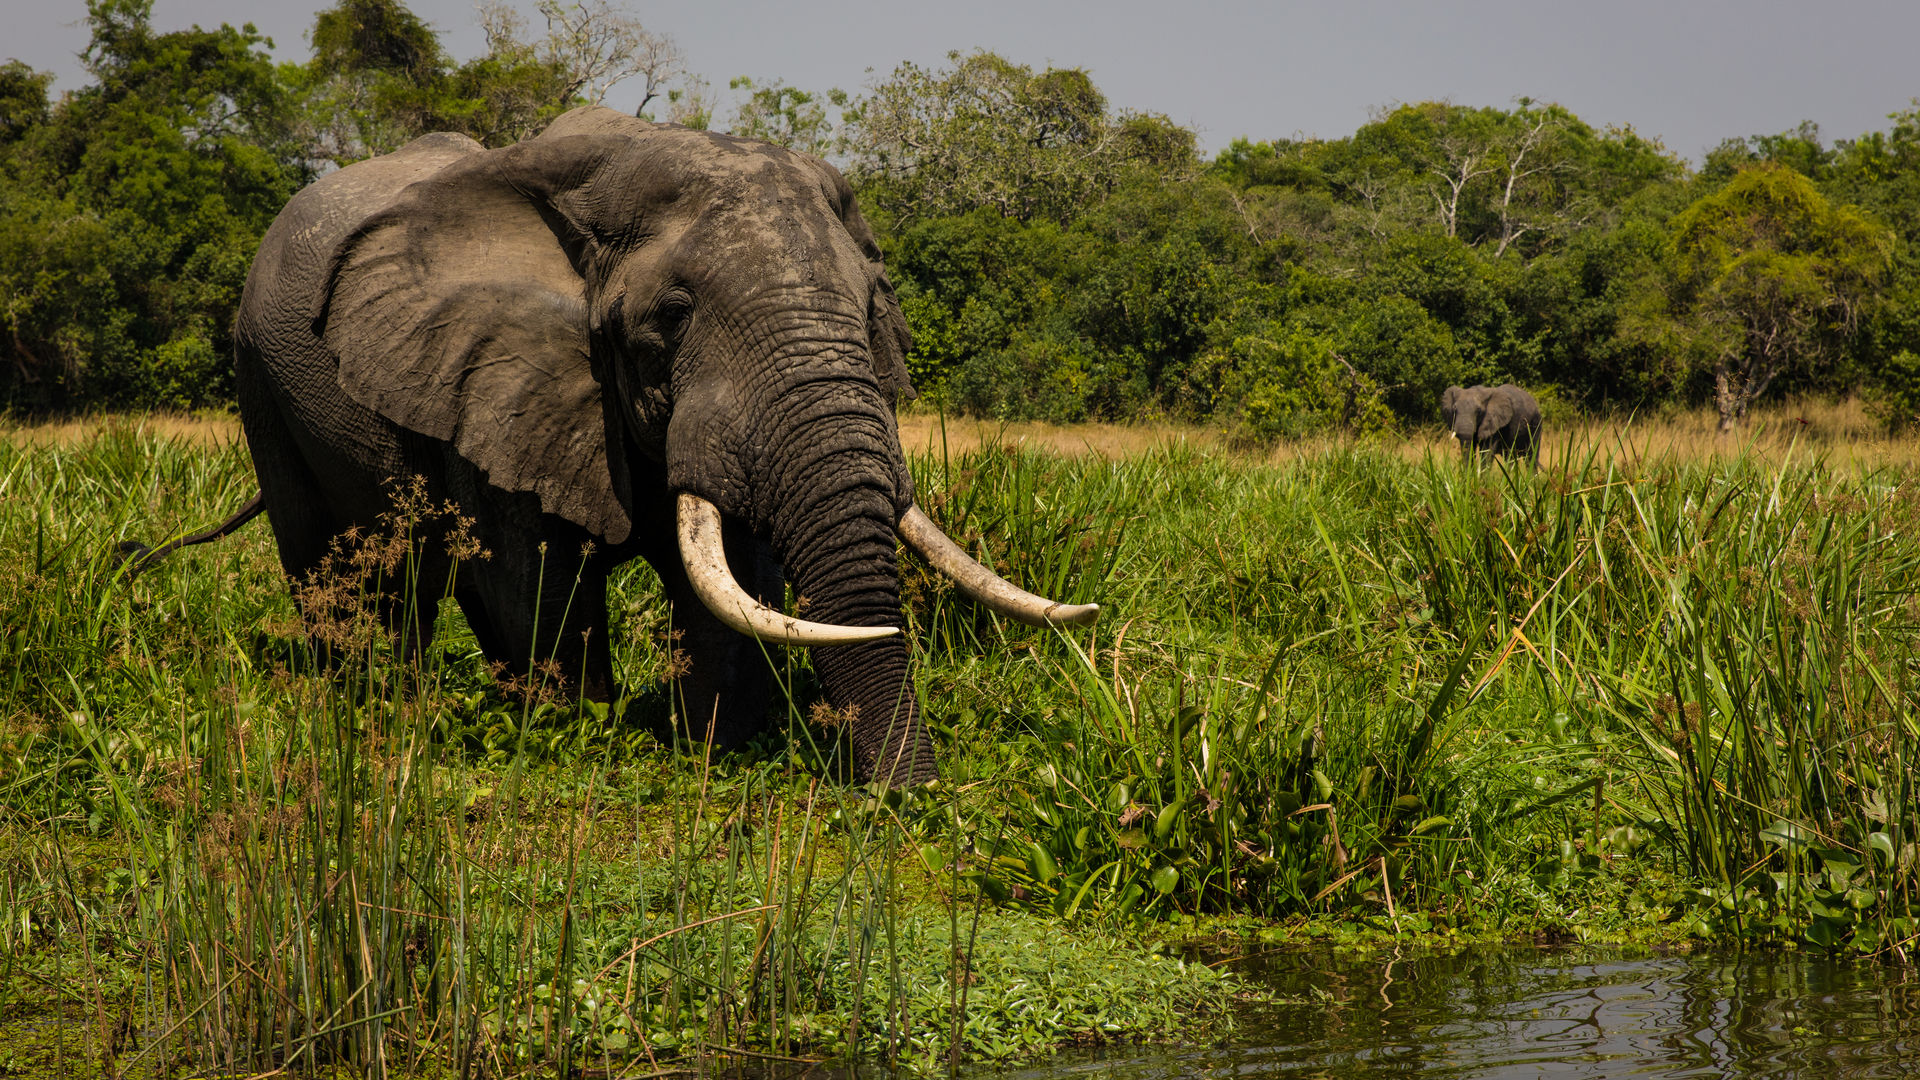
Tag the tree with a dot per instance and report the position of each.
(989, 132)
(690, 105)
(379, 79)
(786, 116)
(598, 46)
(129, 210)
(1799, 149)
(1512, 182)
(1769, 275)
(374, 82)
(23, 99)
(376, 35)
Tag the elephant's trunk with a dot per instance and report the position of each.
(703, 554)
(834, 531)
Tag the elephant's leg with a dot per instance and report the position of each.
(723, 677)
(410, 599)
(474, 606)
(537, 602)
(573, 637)
(305, 525)
(543, 616)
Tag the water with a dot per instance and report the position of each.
(1510, 1013)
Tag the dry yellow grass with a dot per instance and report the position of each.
(198, 429)
(1841, 432)
(924, 433)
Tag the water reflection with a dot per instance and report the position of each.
(1508, 1013)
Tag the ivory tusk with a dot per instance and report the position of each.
(985, 586)
(705, 558)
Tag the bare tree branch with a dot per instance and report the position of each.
(600, 46)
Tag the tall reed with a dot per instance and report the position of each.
(1425, 687)
(1624, 686)
(349, 857)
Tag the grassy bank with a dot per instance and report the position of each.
(1642, 691)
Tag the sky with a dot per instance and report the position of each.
(1688, 72)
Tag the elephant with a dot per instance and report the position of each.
(615, 339)
(1498, 419)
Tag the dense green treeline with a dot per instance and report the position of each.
(1057, 258)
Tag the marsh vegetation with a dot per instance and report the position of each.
(1352, 691)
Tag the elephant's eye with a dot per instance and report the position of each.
(673, 315)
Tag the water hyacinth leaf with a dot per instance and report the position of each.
(1824, 933)
(993, 887)
(1430, 824)
(932, 859)
(1786, 834)
(1165, 880)
(1042, 863)
(1322, 786)
(1046, 776)
(1839, 862)
(1163, 825)
(1118, 796)
(1827, 908)
(1409, 805)
(1882, 843)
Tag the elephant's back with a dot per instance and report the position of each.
(287, 378)
(290, 270)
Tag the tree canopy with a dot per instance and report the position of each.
(1057, 257)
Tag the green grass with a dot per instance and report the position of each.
(1626, 695)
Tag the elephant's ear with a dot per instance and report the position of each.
(1447, 399)
(457, 311)
(890, 339)
(1496, 416)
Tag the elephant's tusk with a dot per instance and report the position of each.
(985, 586)
(705, 558)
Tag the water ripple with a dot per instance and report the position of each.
(1505, 1014)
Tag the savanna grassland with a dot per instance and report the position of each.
(1659, 689)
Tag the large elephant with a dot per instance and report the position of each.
(1500, 419)
(615, 339)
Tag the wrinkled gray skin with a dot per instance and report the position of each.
(1497, 419)
(560, 335)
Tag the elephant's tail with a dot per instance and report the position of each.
(136, 557)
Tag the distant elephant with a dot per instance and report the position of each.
(1499, 419)
(614, 339)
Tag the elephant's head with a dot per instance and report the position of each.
(615, 298)
(1475, 415)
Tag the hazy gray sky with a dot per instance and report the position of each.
(1690, 72)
